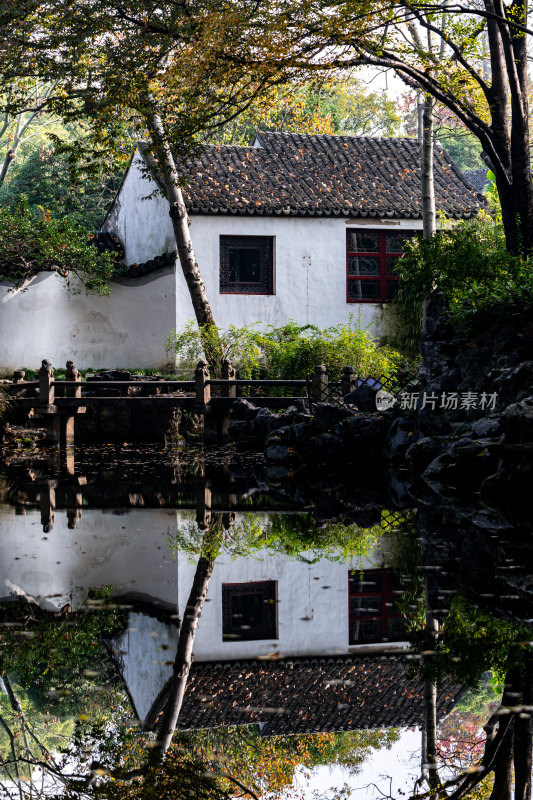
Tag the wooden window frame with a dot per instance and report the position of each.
(382, 279)
(385, 596)
(231, 630)
(266, 283)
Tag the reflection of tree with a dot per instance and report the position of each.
(268, 763)
(470, 642)
(156, 771)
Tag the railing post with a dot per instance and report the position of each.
(228, 373)
(202, 386)
(66, 430)
(46, 389)
(348, 380)
(203, 506)
(319, 387)
(47, 398)
(73, 375)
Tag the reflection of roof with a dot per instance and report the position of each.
(307, 695)
(296, 174)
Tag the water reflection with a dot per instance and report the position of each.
(326, 616)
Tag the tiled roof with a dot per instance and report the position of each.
(109, 241)
(477, 177)
(308, 695)
(300, 175)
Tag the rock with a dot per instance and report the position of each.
(326, 416)
(366, 429)
(325, 448)
(364, 397)
(279, 452)
(421, 453)
(240, 429)
(460, 468)
(517, 421)
(514, 383)
(399, 437)
(243, 409)
(487, 426)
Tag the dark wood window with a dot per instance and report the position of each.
(249, 610)
(246, 265)
(371, 259)
(374, 615)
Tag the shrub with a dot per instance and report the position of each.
(31, 243)
(292, 350)
(481, 280)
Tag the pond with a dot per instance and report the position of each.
(188, 624)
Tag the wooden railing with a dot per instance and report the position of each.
(59, 402)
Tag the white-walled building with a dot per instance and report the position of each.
(294, 227)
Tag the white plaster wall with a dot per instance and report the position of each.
(140, 216)
(312, 607)
(129, 328)
(126, 329)
(126, 551)
(309, 271)
(144, 654)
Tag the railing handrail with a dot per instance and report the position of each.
(256, 382)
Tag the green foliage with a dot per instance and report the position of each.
(31, 243)
(269, 763)
(47, 656)
(239, 345)
(46, 179)
(331, 106)
(463, 147)
(469, 263)
(292, 350)
(470, 642)
(289, 534)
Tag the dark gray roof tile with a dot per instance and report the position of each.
(301, 175)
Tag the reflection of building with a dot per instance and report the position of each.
(287, 618)
(283, 696)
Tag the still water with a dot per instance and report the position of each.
(181, 625)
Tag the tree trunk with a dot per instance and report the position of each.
(180, 223)
(183, 660)
(428, 185)
(503, 768)
(8, 160)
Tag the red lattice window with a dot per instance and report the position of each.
(373, 612)
(371, 260)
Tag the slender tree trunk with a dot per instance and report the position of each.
(180, 224)
(183, 660)
(8, 160)
(428, 183)
(523, 738)
(503, 768)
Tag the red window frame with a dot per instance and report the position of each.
(383, 278)
(384, 599)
